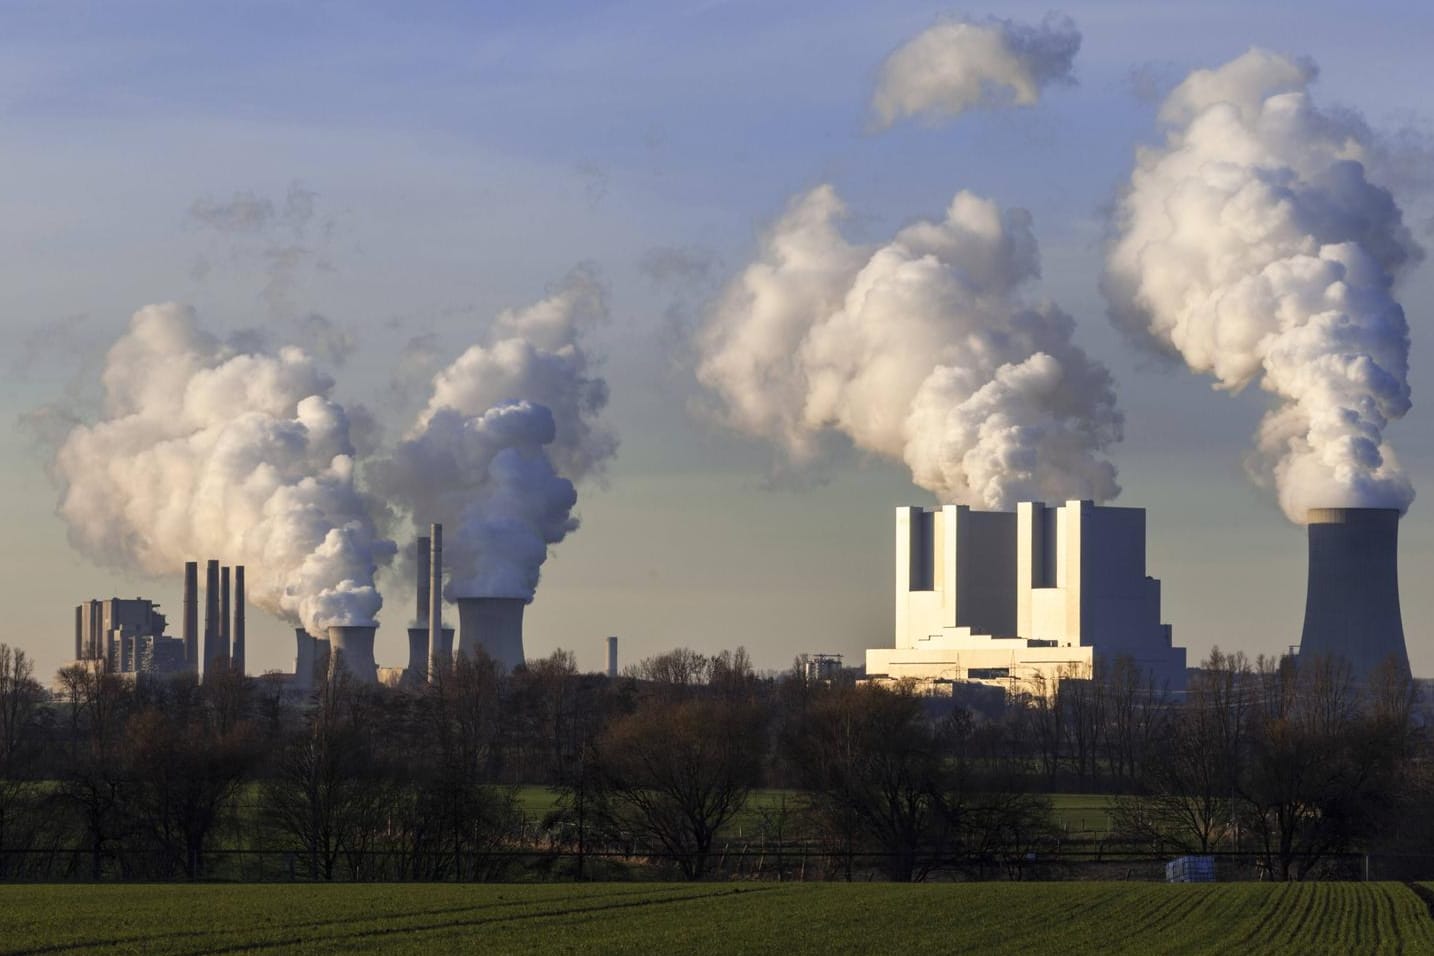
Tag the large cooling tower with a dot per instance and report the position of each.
(311, 659)
(494, 624)
(351, 649)
(418, 651)
(1352, 605)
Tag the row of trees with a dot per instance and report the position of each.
(161, 778)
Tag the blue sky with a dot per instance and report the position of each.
(463, 157)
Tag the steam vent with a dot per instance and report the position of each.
(1352, 604)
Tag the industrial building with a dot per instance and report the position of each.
(1352, 602)
(1023, 599)
(127, 637)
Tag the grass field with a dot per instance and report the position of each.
(790, 919)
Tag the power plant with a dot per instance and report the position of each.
(351, 651)
(1352, 599)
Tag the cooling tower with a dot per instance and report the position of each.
(238, 648)
(191, 616)
(1352, 603)
(495, 625)
(418, 652)
(311, 660)
(351, 650)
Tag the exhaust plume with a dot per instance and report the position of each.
(207, 451)
(510, 426)
(925, 349)
(1252, 246)
(960, 65)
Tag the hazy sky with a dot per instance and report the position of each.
(428, 165)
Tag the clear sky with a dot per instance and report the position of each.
(461, 158)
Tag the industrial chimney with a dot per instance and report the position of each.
(496, 625)
(435, 602)
(211, 615)
(238, 649)
(1352, 603)
(191, 616)
(612, 656)
(224, 652)
(351, 650)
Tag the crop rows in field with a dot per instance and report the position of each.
(753, 918)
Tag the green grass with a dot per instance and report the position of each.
(730, 918)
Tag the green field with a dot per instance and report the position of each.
(789, 919)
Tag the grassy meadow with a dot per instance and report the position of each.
(789, 919)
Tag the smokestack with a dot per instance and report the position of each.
(211, 615)
(424, 573)
(435, 600)
(191, 615)
(612, 656)
(238, 650)
(1352, 603)
(351, 649)
(495, 625)
(224, 618)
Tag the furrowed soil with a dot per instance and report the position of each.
(789, 919)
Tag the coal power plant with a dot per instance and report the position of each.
(1352, 600)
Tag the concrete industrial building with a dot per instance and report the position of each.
(1023, 599)
(126, 637)
(1352, 602)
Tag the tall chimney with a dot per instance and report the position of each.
(211, 615)
(1352, 602)
(191, 615)
(612, 656)
(224, 618)
(425, 571)
(495, 625)
(238, 649)
(435, 599)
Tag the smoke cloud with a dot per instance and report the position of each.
(203, 451)
(925, 350)
(1251, 245)
(510, 425)
(960, 65)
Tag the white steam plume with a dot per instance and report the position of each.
(924, 349)
(1252, 245)
(959, 65)
(510, 426)
(206, 452)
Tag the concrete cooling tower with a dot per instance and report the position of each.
(418, 651)
(1352, 604)
(495, 625)
(351, 649)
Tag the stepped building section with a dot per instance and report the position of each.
(1024, 599)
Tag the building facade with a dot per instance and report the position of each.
(1024, 599)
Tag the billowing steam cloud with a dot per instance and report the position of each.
(924, 349)
(205, 452)
(960, 65)
(1252, 245)
(510, 426)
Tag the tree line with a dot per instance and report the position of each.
(1295, 764)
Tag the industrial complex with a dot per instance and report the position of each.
(1014, 599)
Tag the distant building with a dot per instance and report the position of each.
(1024, 599)
(820, 668)
(126, 637)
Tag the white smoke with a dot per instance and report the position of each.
(206, 452)
(510, 425)
(925, 349)
(959, 65)
(1252, 245)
